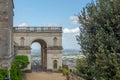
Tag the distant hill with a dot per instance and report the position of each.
(67, 52)
(36, 52)
(70, 50)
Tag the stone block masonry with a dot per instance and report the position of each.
(6, 24)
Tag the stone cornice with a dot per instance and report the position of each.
(24, 48)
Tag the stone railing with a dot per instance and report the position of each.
(74, 77)
(37, 29)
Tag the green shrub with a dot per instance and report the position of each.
(3, 73)
(19, 63)
(22, 61)
(60, 69)
(65, 71)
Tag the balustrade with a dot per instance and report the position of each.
(37, 29)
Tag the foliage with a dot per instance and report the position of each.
(19, 63)
(81, 67)
(60, 69)
(22, 60)
(65, 70)
(3, 72)
(100, 40)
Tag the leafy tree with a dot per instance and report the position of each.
(81, 67)
(100, 39)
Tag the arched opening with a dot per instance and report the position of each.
(39, 55)
(35, 56)
(55, 64)
(55, 41)
(22, 41)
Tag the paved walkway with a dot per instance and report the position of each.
(44, 76)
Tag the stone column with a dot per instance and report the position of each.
(45, 58)
(42, 57)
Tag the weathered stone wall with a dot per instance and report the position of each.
(6, 24)
(54, 55)
(30, 37)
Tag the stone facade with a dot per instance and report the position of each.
(13, 38)
(6, 24)
(50, 39)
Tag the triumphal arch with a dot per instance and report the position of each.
(17, 40)
(50, 39)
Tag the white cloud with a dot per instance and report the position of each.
(74, 30)
(74, 19)
(24, 24)
(52, 25)
(69, 41)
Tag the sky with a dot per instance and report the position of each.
(61, 13)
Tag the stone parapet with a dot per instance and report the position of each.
(37, 29)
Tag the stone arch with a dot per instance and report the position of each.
(22, 39)
(41, 41)
(50, 39)
(55, 39)
(43, 52)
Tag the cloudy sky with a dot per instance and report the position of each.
(51, 13)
